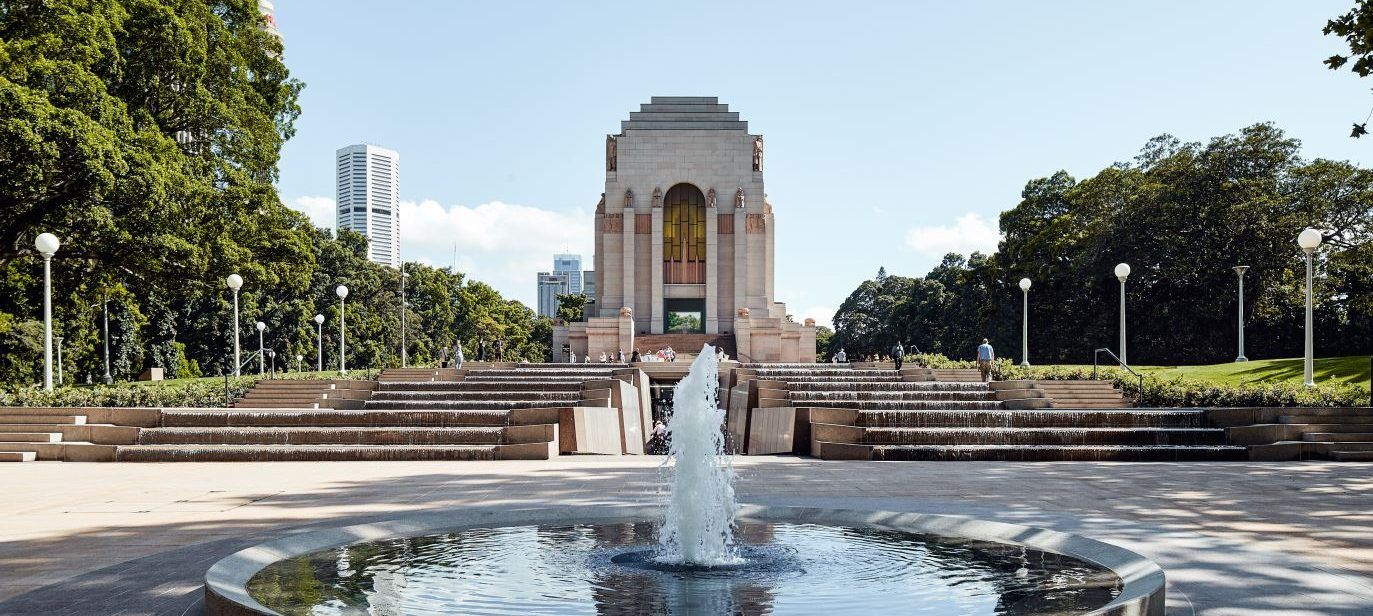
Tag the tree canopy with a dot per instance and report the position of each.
(146, 135)
(1182, 215)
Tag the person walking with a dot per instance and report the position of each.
(481, 349)
(898, 354)
(985, 357)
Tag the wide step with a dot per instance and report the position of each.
(1012, 453)
(323, 436)
(335, 418)
(18, 456)
(1033, 419)
(301, 453)
(1133, 437)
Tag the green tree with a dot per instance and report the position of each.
(572, 307)
(1356, 28)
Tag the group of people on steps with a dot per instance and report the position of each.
(986, 355)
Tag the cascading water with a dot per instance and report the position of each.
(698, 524)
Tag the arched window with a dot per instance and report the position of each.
(684, 235)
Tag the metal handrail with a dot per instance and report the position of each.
(252, 355)
(1097, 354)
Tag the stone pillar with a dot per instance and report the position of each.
(626, 333)
(627, 252)
(741, 298)
(713, 317)
(656, 314)
(769, 238)
(743, 336)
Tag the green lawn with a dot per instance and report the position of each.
(1353, 370)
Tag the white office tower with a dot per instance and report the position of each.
(369, 199)
(550, 287)
(570, 266)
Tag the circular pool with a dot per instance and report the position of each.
(601, 561)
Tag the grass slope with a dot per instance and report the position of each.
(1352, 370)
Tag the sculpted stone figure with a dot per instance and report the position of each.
(710, 198)
(626, 311)
(657, 197)
(600, 205)
(743, 312)
(629, 199)
(757, 152)
(612, 152)
(739, 198)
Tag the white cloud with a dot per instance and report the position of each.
(501, 244)
(823, 315)
(498, 243)
(970, 232)
(319, 209)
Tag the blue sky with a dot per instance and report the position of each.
(895, 131)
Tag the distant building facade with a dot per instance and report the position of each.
(368, 197)
(685, 237)
(570, 266)
(551, 285)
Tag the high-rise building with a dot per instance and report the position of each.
(369, 199)
(570, 266)
(550, 287)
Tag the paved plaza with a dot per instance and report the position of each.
(1234, 538)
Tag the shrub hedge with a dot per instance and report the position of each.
(207, 392)
(1175, 392)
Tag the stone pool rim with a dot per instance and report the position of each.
(1142, 592)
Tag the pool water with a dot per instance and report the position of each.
(609, 569)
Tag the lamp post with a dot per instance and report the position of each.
(1239, 272)
(300, 363)
(1025, 323)
(109, 379)
(319, 325)
(403, 276)
(59, 362)
(1309, 240)
(235, 282)
(261, 349)
(1122, 272)
(342, 292)
(47, 245)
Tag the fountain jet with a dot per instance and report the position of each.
(698, 523)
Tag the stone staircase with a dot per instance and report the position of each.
(492, 412)
(305, 394)
(683, 344)
(1341, 434)
(1083, 394)
(412, 375)
(72, 434)
(879, 415)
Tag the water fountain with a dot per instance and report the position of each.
(698, 522)
(699, 553)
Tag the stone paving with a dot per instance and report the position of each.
(1234, 538)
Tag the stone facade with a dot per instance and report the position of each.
(684, 231)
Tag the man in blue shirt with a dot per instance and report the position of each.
(985, 355)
